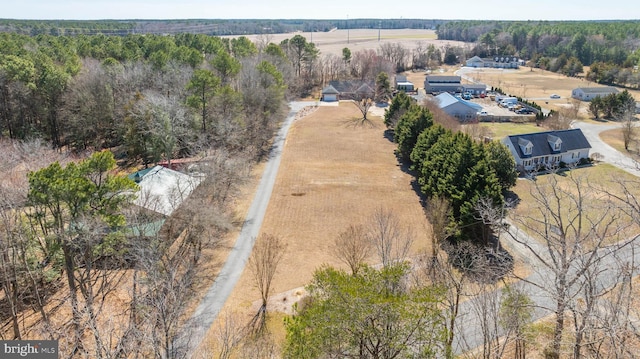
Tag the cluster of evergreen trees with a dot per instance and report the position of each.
(452, 165)
(613, 106)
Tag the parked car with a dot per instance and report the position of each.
(554, 96)
(483, 113)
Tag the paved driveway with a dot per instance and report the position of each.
(611, 155)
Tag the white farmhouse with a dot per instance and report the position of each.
(547, 149)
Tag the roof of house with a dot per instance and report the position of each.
(476, 59)
(571, 140)
(401, 78)
(162, 190)
(475, 86)
(350, 86)
(446, 86)
(598, 90)
(330, 90)
(433, 79)
(445, 99)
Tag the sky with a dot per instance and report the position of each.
(322, 9)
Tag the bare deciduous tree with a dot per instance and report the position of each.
(263, 263)
(439, 213)
(628, 128)
(229, 334)
(395, 53)
(363, 106)
(572, 231)
(352, 247)
(389, 238)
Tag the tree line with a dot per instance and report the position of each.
(216, 27)
(606, 46)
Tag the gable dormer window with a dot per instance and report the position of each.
(554, 142)
(526, 146)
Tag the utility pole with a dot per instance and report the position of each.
(347, 28)
(379, 26)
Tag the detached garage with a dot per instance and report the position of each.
(330, 94)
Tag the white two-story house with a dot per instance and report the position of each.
(547, 149)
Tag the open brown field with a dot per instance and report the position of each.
(333, 173)
(332, 42)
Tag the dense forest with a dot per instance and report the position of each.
(610, 48)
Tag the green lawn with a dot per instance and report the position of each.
(503, 129)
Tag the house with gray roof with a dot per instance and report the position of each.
(589, 93)
(435, 84)
(351, 89)
(547, 149)
(330, 94)
(464, 111)
(477, 90)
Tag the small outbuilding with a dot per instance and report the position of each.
(476, 90)
(402, 84)
(589, 93)
(162, 190)
(330, 94)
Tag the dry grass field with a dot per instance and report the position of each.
(592, 180)
(614, 138)
(332, 42)
(334, 173)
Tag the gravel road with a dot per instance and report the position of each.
(217, 295)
